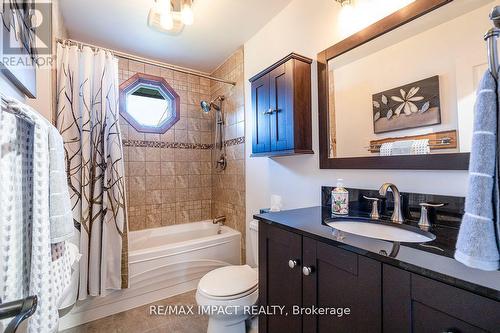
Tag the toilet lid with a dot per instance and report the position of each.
(228, 281)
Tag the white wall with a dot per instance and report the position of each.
(308, 27)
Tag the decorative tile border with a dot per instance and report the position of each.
(179, 145)
(234, 142)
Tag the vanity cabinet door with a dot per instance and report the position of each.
(341, 279)
(279, 283)
(413, 303)
(261, 141)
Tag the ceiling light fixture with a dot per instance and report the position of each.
(170, 16)
(345, 2)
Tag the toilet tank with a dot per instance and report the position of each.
(253, 244)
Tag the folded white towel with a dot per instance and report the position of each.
(61, 216)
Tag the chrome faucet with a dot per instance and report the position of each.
(397, 216)
(220, 220)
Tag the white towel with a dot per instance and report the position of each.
(61, 216)
(16, 150)
(46, 278)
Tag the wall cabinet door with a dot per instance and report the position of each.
(341, 279)
(279, 284)
(261, 122)
(281, 102)
(416, 304)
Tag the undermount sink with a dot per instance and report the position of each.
(384, 231)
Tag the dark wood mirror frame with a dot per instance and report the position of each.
(452, 161)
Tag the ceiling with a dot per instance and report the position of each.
(220, 27)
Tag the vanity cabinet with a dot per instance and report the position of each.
(413, 303)
(296, 270)
(299, 271)
(281, 108)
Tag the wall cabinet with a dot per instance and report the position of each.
(299, 271)
(281, 106)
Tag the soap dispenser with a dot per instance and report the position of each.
(340, 199)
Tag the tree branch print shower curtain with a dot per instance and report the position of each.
(87, 117)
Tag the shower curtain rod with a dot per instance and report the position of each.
(146, 61)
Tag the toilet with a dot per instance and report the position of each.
(227, 294)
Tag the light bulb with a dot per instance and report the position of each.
(187, 13)
(166, 19)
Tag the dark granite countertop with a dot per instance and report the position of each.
(423, 260)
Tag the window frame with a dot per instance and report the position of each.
(141, 79)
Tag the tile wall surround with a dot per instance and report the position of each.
(228, 186)
(170, 177)
(167, 185)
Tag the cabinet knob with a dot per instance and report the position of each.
(307, 270)
(292, 263)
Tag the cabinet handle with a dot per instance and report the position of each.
(292, 263)
(307, 270)
(270, 111)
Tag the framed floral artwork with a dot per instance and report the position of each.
(413, 105)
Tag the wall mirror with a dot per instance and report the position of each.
(149, 104)
(400, 93)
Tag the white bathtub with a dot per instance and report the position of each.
(163, 262)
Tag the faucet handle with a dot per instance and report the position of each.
(374, 215)
(424, 222)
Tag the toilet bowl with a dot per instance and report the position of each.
(227, 294)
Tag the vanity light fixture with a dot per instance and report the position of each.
(170, 16)
(344, 2)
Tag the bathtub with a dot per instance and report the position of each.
(163, 262)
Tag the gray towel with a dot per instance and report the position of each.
(60, 214)
(477, 244)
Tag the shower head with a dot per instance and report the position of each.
(207, 106)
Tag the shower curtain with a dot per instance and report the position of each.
(87, 117)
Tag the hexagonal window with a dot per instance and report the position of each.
(148, 103)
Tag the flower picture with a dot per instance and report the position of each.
(413, 105)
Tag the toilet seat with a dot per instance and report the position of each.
(229, 283)
(229, 298)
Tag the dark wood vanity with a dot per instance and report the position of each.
(295, 269)
(338, 278)
(281, 106)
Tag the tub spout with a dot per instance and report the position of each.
(220, 220)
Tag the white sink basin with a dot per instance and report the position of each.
(383, 231)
